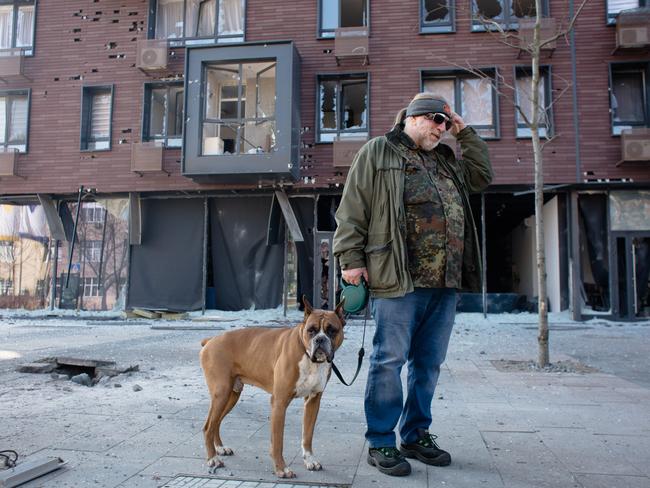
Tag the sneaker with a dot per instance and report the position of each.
(426, 450)
(388, 460)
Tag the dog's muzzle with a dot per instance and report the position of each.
(320, 349)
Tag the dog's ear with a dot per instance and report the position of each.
(308, 307)
(340, 312)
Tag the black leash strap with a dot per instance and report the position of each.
(362, 352)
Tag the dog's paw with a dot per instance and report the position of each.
(285, 473)
(224, 451)
(311, 463)
(214, 463)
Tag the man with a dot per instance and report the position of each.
(405, 225)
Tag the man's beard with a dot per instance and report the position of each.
(431, 146)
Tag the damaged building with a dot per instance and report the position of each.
(190, 154)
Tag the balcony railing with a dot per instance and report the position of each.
(8, 163)
(11, 63)
(344, 150)
(633, 28)
(151, 55)
(635, 145)
(146, 157)
(351, 42)
(548, 29)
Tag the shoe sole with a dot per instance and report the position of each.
(442, 460)
(402, 469)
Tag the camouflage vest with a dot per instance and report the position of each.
(434, 223)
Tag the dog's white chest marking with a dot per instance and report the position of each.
(312, 378)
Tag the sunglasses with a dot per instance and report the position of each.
(439, 118)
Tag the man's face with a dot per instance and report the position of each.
(426, 132)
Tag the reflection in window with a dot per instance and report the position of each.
(524, 100)
(164, 122)
(507, 13)
(13, 121)
(17, 25)
(195, 19)
(614, 7)
(342, 13)
(628, 97)
(239, 114)
(472, 97)
(343, 107)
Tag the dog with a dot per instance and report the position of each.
(287, 362)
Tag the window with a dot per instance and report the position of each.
(239, 112)
(163, 109)
(6, 287)
(506, 13)
(93, 251)
(629, 96)
(221, 20)
(92, 213)
(474, 98)
(341, 13)
(614, 7)
(523, 98)
(17, 25)
(90, 287)
(96, 114)
(436, 16)
(6, 251)
(343, 107)
(13, 121)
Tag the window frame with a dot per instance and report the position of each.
(320, 31)
(8, 93)
(91, 283)
(27, 50)
(508, 23)
(457, 75)
(438, 27)
(87, 93)
(629, 66)
(338, 77)
(610, 19)
(92, 250)
(193, 41)
(146, 114)
(93, 210)
(7, 251)
(6, 287)
(521, 130)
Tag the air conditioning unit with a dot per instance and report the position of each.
(151, 54)
(635, 145)
(8, 163)
(146, 157)
(633, 28)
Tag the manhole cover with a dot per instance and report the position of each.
(187, 481)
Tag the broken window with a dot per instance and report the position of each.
(629, 96)
(200, 19)
(436, 15)
(614, 7)
(472, 97)
(96, 110)
(341, 13)
(13, 120)
(239, 113)
(17, 25)
(343, 103)
(506, 13)
(164, 114)
(525, 102)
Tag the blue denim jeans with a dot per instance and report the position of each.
(414, 328)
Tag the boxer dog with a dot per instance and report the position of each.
(287, 362)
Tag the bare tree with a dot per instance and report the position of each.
(539, 35)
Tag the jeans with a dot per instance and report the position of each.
(415, 327)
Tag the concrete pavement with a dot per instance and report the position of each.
(504, 428)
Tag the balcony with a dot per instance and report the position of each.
(8, 163)
(344, 151)
(146, 157)
(151, 55)
(351, 42)
(11, 64)
(548, 29)
(635, 145)
(633, 28)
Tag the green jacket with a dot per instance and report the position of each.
(371, 228)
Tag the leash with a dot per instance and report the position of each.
(361, 353)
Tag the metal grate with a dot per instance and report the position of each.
(187, 481)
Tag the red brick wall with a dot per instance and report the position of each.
(54, 163)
